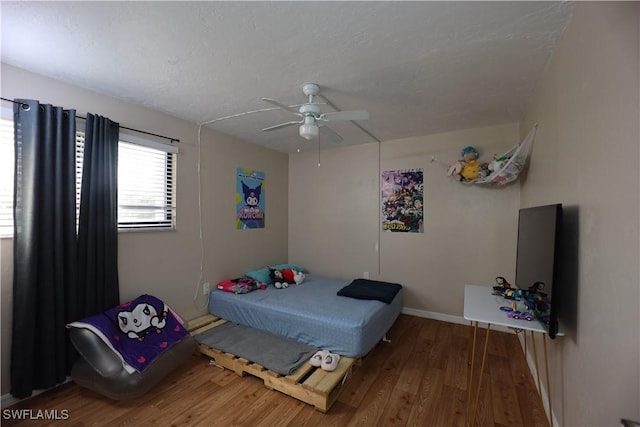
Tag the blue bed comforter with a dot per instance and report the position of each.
(312, 313)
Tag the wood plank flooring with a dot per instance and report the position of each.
(419, 379)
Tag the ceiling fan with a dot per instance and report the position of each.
(312, 119)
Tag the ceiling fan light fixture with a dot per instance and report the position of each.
(309, 131)
(312, 115)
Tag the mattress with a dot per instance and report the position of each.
(312, 313)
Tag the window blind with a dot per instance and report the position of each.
(6, 177)
(145, 187)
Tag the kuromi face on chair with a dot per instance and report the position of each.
(139, 321)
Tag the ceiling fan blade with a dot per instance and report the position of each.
(330, 134)
(284, 107)
(281, 125)
(345, 115)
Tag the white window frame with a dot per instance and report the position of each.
(157, 215)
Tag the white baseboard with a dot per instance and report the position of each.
(448, 318)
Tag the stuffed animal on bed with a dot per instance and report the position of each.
(278, 279)
(298, 277)
(285, 277)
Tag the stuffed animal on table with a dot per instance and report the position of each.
(285, 277)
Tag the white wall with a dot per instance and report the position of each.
(586, 157)
(469, 231)
(167, 264)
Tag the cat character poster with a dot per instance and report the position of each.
(250, 199)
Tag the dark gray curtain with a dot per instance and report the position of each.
(44, 257)
(98, 226)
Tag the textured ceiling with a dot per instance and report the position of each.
(417, 67)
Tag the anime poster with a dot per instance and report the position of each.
(402, 198)
(250, 199)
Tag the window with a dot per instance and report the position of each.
(6, 177)
(145, 187)
(146, 181)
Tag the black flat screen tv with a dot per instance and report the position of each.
(539, 260)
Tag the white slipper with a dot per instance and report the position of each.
(330, 362)
(316, 359)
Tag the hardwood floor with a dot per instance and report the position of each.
(419, 379)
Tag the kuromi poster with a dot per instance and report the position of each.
(250, 199)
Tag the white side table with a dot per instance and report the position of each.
(480, 306)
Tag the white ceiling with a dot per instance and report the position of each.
(417, 67)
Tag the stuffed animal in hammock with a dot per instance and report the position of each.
(468, 168)
(471, 166)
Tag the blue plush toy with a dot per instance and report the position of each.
(470, 165)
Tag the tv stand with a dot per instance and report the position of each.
(480, 306)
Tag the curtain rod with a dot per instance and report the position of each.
(121, 127)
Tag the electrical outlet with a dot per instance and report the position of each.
(365, 275)
(205, 288)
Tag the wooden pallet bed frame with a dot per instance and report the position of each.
(308, 384)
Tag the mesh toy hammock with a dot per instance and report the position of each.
(507, 167)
